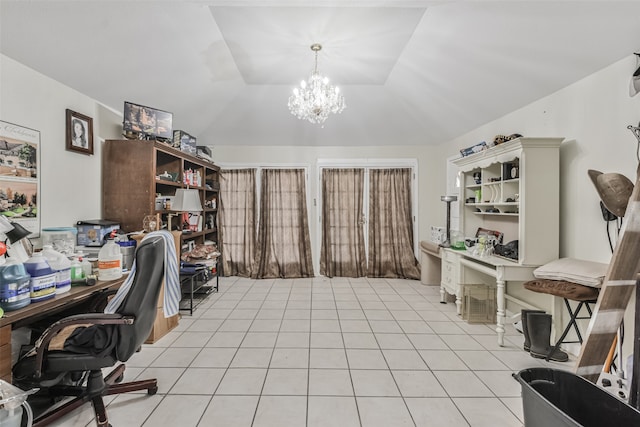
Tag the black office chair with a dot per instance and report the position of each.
(108, 339)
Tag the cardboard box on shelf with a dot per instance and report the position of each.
(186, 142)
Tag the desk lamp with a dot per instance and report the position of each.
(448, 200)
(186, 200)
(19, 247)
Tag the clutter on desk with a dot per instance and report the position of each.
(61, 239)
(457, 240)
(128, 250)
(48, 273)
(43, 278)
(509, 250)
(14, 285)
(94, 232)
(110, 261)
(61, 266)
(438, 234)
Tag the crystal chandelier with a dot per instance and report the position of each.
(314, 100)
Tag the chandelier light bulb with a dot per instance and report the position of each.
(317, 98)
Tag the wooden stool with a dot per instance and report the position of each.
(584, 295)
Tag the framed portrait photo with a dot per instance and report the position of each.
(79, 133)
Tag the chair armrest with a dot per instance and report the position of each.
(42, 344)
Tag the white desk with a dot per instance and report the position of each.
(454, 264)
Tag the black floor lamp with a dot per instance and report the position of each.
(448, 200)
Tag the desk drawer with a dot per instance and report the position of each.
(449, 276)
(5, 335)
(5, 353)
(447, 255)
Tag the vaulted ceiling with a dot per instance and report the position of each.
(412, 72)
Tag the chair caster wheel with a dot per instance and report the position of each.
(119, 379)
(152, 391)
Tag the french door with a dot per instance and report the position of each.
(343, 247)
(367, 222)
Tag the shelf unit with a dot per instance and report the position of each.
(134, 172)
(196, 287)
(514, 188)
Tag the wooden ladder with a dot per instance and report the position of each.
(614, 295)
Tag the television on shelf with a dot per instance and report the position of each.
(143, 122)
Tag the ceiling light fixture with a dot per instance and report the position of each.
(316, 99)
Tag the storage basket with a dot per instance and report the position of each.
(478, 303)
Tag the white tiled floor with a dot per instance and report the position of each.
(325, 352)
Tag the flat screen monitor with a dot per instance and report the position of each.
(147, 122)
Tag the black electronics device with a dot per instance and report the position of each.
(509, 250)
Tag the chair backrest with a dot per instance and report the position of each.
(142, 299)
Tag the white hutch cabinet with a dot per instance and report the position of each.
(512, 188)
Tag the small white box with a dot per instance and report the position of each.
(438, 234)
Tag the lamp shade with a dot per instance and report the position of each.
(18, 233)
(186, 200)
(5, 224)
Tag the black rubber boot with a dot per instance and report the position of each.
(539, 327)
(525, 327)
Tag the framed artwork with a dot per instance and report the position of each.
(20, 176)
(79, 133)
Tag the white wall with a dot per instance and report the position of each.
(593, 115)
(70, 182)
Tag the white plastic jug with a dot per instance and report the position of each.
(43, 278)
(62, 267)
(12, 403)
(110, 261)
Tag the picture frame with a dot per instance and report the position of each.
(79, 133)
(497, 234)
(20, 176)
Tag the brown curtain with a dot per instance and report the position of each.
(284, 247)
(237, 221)
(342, 251)
(390, 225)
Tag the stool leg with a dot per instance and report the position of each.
(574, 317)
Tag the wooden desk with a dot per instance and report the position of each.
(36, 311)
(456, 268)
